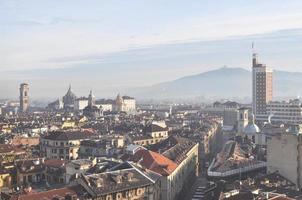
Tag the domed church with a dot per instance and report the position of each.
(69, 99)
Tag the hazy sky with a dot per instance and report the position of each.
(146, 41)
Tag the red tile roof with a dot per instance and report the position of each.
(57, 163)
(47, 195)
(154, 161)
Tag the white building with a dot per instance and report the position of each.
(125, 104)
(285, 111)
(105, 104)
(80, 103)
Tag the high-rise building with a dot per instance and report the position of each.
(24, 98)
(262, 88)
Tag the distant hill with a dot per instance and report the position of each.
(224, 82)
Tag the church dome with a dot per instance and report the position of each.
(251, 129)
(69, 97)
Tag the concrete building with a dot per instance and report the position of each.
(228, 110)
(284, 154)
(24, 97)
(262, 88)
(285, 111)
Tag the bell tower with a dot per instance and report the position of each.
(242, 120)
(24, 97)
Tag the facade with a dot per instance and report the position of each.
(63, 145)
(55, 171)
(105, 146)
(125, 104)
(152, 134)
(177, 164)
(262, 88)
(284, 154)
(30, 171)
(24, 97)
(230, 116)
(105, 104)
(80, 103)
(285, 111)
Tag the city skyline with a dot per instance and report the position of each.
(93, 48)
(153, 100)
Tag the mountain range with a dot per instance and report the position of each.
(224, 82)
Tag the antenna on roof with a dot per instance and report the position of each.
(253, 50)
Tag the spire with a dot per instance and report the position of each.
(91, 99)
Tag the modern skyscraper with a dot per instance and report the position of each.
(262, 88)
(24, 98)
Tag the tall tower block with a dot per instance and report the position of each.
(262, 88)
(24, 97)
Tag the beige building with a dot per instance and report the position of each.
(24, 97)
(153, 134)
(63, 145)
(177, 164)
(262, 88)
(284, 154)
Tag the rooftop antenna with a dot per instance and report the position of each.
(253, 50)
(254, 55)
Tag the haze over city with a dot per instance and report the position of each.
(111, 46)
(150, 100)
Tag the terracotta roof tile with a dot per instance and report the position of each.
(154, 161)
